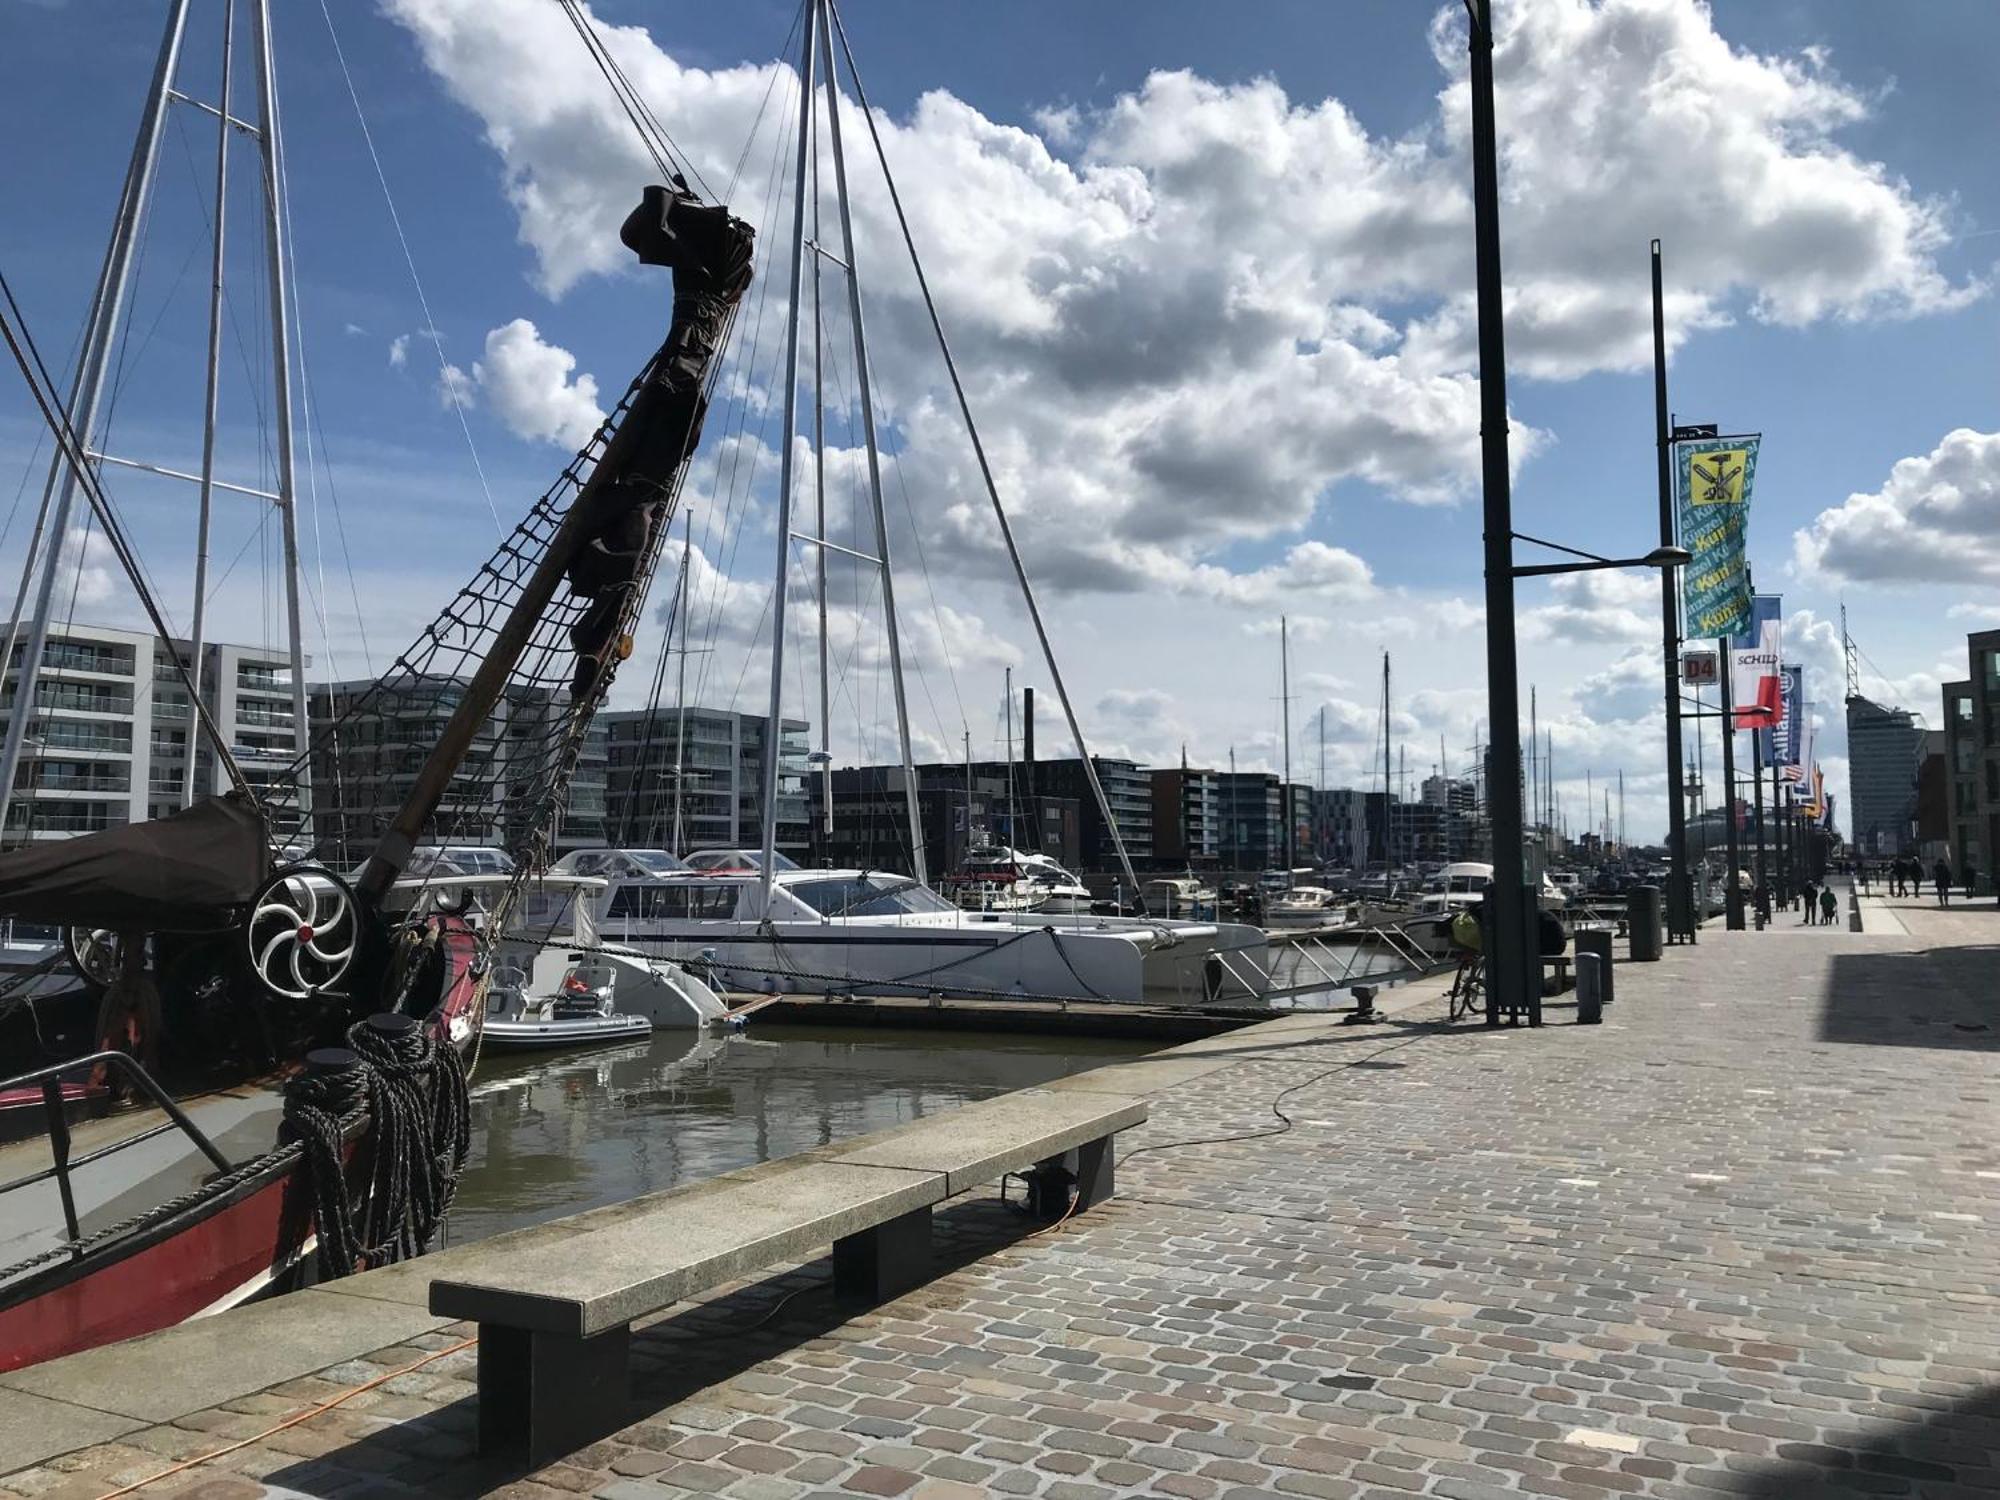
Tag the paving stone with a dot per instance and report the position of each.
(1718, 1246)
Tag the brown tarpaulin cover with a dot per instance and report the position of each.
(173, 874)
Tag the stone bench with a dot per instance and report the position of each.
(555, 1319)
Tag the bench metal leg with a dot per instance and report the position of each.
(549, 1392)
(1095, 1168)
(886, 1261)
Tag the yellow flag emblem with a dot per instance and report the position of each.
(1717, 477)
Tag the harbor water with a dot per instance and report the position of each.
(554, 1134)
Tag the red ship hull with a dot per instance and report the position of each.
(254, 1238)
(219, 1251)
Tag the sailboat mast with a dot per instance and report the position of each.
(93, 362)
(1388, 822)
(985, 467)
(1012, 814)
(773, 737)
(819, 527)
(212, 389)
(681, 692)
(1319, 792)
(864, 385)
(1285, 698)
(1534, 763)
(281, 389)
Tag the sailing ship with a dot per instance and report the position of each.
(208, 924)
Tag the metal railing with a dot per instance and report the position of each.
(54, 1108)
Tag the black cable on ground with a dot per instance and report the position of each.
(1277, 1102)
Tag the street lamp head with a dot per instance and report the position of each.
(1668, 557)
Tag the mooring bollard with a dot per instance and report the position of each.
(1598, 941)
(1589, 989)
(1642, 915)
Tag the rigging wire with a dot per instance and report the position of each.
(667, 156)
(432, 334)
(41, 387)
(740, 482)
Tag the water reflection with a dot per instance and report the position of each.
(556, 1134)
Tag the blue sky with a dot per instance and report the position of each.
(1819, 171)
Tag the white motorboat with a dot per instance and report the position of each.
(1459, 885)
(997, 878)
(1178, 896)
(1305, 906)
(578, 1014)
(554, 934)
(869, 932)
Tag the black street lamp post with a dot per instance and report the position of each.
(1513, 968)
(1513, 972)
(1681, 916)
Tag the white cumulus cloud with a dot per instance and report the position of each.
(533, 387)
(1936, 519)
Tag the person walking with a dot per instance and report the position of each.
(1829, 907)
(1811, 897)
(1967, 879)
(1941, 876)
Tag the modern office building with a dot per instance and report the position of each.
(1883, 746)
(1250, 815)
(1185, 818)
(371, 738)
(871, 821)
(1128, 789)
(1341, 833)
(1972, 759)
(113, 729)
(719, 774)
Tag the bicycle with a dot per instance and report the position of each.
(1467, 994)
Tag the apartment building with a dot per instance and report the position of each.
(113, 729)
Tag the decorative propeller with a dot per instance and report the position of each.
(301, 933)
(93, 953)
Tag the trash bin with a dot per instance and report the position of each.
(1642, 910)
(1598, 941)
(1589, 988)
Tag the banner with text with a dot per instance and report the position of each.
(1787, 737)
(1714, 480)
(1755, 658)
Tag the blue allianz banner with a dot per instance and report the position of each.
(1786, 739)
(1713, 482)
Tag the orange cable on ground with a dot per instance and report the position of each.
(292, 1421)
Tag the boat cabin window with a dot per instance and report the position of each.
(546, 909)
(654, 861)
(652, 903)
(735, 859)
(867, 896)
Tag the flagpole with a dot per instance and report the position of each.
(1757, 784)
(1732, 894)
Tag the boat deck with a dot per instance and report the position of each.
(242, 1123)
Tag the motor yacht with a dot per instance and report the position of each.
(1178, 896)
(997, 878)
(1305, 906)
(871, 932)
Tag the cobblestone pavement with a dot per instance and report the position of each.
(1739, 1240)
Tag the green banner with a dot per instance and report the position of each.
(1714, 476)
